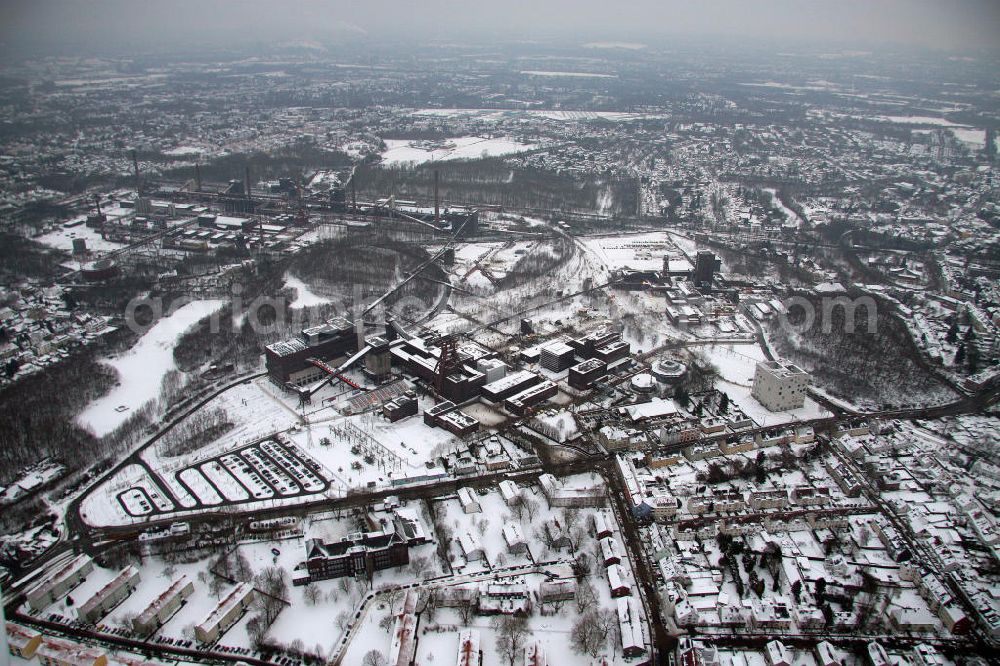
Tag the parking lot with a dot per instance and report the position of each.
(264, 470)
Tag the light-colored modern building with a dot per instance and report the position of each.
(164, 606)
(59, 582)
(109, 596)
(22, 641)
(780, 385)
(225, 614)
(59, 652)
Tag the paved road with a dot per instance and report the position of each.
(75, 524)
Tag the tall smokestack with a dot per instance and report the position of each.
(138, 183)
(97, 202)
(437, 200)
(197, 176)
(354, 196)
(359, 330)
(246, 181)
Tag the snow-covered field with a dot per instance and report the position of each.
(640, 252)
(304, 296)
(737, 364)
(565, 116)
(142, 368)
(402, 151)
(578, 75)
(63, 238)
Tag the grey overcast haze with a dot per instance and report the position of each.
(111, 24)
(500, 333)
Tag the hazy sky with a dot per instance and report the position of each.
(949, 24)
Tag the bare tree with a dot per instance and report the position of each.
(387, 622)
(531, 506)
(392, 595)
(256, 629)
(343, 620)
(585, 597)
(511, 632)
(585, 636)
(420, 565)
(465, 611)
(518, 505)
(374, 658)
(312, 594)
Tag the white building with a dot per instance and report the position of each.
(109, 596)
(163, 607)
(225, 614)
(780, 385)
(468, 500)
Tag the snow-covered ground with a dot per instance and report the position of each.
(305, 297)
(791, 218)
(142, 368)
(564, 116)
(63, 238)
(736, 365)
(579, 75)
(402, 151)
(640, 252)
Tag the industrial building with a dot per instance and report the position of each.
(705, 266)
(583, 375)
(779, 385)
(557, 356)
(458, 423)
(510, 385)
(288, 361)
(446, 415)
(400, 407)
(587, 346)
(378, 361)
(521, 403)
(613, 351)
(452, 367)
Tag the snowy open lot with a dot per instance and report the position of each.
(737, 364)
(402, 151)
(141, 369)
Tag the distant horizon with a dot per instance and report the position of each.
(59, 27)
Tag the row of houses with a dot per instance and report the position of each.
(156, 614)
(26, 643)
(55, 585)
(225, 614)
(109, 596)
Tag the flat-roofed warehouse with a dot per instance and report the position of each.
(287, 360)
(512, 384)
